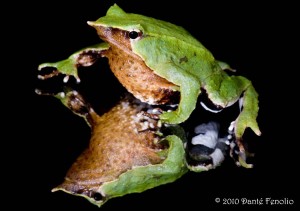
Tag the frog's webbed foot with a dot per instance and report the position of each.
(69, 67)
(75, 102)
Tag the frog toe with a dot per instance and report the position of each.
(43, 76)
(242, 161)
(64, 68)
(238, 152)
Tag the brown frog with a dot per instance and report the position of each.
(127, 152)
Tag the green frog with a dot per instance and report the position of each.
(160, 63)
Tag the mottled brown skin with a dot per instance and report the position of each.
(119, 142)
(121, 138)
(132, 72)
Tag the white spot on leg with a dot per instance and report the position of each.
(66, 79)
(38, 91)
(75, 93)
(40, 77)
(151, 125)
(241, 102)
(231, 127)
(159, 124)
(62, 94)
(154, 111)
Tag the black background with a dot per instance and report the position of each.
(46, 138)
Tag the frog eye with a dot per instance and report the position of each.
(97, 196)
(134, 34)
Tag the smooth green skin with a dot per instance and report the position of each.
(174, 54)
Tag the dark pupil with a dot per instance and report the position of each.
(97, 196)
(133, 34)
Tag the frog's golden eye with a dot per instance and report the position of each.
(134, 35)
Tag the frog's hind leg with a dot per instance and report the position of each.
(248, 103)
(238, 88)
(247, 118)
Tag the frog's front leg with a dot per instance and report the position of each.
(189, 91)
(69, 67)
(75, 102)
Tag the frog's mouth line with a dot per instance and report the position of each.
(116, 37)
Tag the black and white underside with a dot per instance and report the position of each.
(207, 150)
